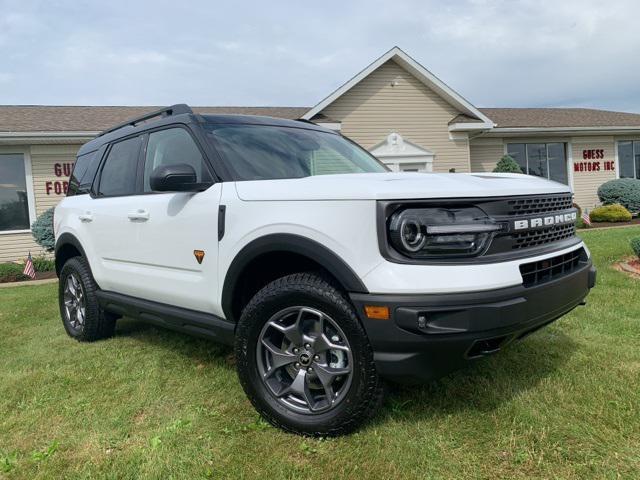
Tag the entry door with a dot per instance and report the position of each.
(176, 247)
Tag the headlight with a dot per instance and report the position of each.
(441, 232)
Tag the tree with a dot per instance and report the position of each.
(42, 230)
(507, 165)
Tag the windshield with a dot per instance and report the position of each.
(264, 152)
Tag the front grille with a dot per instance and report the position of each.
(543, 271)
(539, 204)
(534, 238)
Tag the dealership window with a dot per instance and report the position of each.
(548, 160)
(629, 159)
(14, 196)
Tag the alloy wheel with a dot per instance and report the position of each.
(305, 360)
(74, 302)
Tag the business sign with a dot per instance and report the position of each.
(59, 187)
(594, 162)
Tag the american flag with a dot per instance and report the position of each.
(585, 218)
(29, 269)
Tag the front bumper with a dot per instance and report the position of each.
(431, 335)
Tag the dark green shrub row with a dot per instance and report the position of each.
(11, 272)
(44, 264)
(625, 191)
(610, 213)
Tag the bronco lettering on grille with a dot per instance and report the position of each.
(540, 222)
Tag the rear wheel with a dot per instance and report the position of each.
(304, 360)
(82, 317)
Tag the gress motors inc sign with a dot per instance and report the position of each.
(593, 161)
(62, 171)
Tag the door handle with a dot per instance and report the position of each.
(140, 215)
(85, 217)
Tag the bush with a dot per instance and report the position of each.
(44, 264)
(11, 272)
(42, 230)
(610, 213)
(507, 165)
(635, 246)
(625, 191)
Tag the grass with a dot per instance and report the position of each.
(564, 403)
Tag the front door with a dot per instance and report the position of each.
(176, 241)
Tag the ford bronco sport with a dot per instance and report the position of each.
(327, 272)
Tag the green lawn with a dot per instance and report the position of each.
(564, 403)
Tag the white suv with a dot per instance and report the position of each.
(326, 271)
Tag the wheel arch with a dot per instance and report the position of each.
(67, 246)
(306, 253)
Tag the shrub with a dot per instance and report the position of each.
(625, 191)
(44, 264)
(42, 230)
(610, 213)
(507, 165)
(11, 272)
(635, 246)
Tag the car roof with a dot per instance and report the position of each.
(189, 118)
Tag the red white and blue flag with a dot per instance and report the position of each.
(29, 269)
(585, 218)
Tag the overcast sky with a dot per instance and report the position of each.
(293, 53)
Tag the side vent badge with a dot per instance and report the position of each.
(199, 254)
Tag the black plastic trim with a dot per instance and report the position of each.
(67, 239)
(222, 212)
(168, 316)
(283, 242)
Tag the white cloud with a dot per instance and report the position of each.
(495, 53)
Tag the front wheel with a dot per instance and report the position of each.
(82, 316)
(304, 360)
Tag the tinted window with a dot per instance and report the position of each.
(547, 160)
(260, 152)
(80, 173)
(14, 205)
(170, 147)
(518, 153)
(118, 175)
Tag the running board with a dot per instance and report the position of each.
(175, 318)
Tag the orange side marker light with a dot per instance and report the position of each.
(377, 312)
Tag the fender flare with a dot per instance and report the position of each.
(67, 239)
(285, 242)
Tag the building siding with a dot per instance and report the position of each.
(373, 109)
(485, 154)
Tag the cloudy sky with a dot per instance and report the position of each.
(293, 53)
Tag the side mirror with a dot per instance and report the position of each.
(179, 177)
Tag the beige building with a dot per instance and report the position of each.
(395, 108)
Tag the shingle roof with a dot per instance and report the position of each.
(38, 118)
(560, 117)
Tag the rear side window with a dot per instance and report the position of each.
(170, 147)
(118, 175)
(83, 173)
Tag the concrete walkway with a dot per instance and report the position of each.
(28, 282)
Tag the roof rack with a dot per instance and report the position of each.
(176, 109)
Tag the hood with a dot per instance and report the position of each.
(395, 186)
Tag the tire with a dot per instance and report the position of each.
(274, 353)
(82, 317)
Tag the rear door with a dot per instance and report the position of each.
(175, 251)
(106, 218)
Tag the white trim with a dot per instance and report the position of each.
(569, 147)
(28, 179)
(31, 198)
(615, 156)
(14, 232)
(335, 126)
(560, 130)
(88, 134)
(413, 67)
(463, 127)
